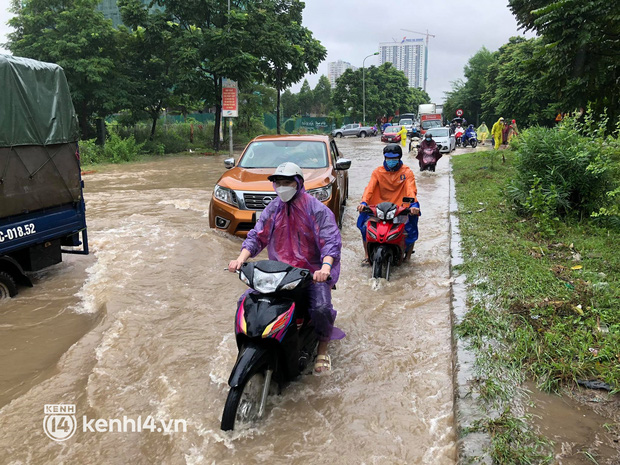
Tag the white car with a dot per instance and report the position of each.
(444, 140)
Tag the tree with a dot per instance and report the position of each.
(255, 99)
(516, 84)
(73, 34)
(467, 95)
(213, 45)
(288, 102)
(581, 50)
(150, 59)
(305, 98)
(322, 97)
(286, 49)
(387, 92)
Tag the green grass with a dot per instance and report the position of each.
(544, 301)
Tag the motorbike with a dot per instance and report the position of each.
(385, 236)
(429, 159)
(470, 138)
(275, 338)
(458, 136)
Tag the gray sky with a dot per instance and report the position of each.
(352, 29)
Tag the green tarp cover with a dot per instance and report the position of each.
(35, 104)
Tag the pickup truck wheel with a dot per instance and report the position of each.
(341, 135)
(8, 287)
(363, 134)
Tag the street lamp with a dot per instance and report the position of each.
(364, 84)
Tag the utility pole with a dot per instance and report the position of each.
(425, 52)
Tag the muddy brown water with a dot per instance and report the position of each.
(143, 327)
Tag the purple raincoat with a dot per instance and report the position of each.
(301, 233)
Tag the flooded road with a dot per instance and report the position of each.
(144, 327)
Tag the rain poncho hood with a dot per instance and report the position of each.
(300, 232)
(403, 136)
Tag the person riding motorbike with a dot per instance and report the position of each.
(390, 183)
(299, 230)
(428, 162)
(470, 133)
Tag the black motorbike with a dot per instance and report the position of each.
(275, 337)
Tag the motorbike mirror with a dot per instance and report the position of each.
(408, 200)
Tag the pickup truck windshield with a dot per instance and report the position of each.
(271, 154)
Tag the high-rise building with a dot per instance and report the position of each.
(335, 69)
(409, 56)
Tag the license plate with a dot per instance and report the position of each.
(257, 214)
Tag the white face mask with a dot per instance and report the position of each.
(286, 193)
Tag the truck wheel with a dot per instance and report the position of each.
(8, 288)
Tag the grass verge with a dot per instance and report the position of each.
(543, 301)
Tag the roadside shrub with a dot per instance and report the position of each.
(570, 168)
(90, 152)
(118, 149)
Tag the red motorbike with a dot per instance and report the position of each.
(385, 236)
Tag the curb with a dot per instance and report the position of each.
(471, 447)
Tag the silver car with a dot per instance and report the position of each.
(444, 140)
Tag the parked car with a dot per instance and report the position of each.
(354, 130)
(444, 140)
(391, 134)
(243, 192)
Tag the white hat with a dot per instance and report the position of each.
(287, 170)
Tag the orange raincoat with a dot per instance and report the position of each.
(390, 186)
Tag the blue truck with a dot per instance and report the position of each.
(42, 210)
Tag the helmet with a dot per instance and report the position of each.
(428, 135)
(287, 170)
(392, 151)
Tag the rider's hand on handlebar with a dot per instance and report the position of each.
(234, 265)
(360, 207)
(322, 275)
(414, 211)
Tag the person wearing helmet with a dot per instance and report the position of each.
(390, 183)
(299, 230)
(428, 153)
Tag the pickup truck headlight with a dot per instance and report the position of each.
(225, 195)
(322, 194)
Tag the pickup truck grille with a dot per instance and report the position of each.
(257, 201)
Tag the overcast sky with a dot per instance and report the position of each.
(352, 29)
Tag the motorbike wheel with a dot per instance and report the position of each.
(388, 266)
(474, 143)
(377, 267)
(243, 401)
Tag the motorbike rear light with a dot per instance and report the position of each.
(279, 325)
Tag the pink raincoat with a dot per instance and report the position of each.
(302, 232)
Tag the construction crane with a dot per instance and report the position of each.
(425, 52)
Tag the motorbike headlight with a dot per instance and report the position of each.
(321, 194)
(390, 214)
(225, 195)
(244, 278)
(290, 286)
(266, 283)
(380, 214)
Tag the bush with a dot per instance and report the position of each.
(571, 168)
(90, 152)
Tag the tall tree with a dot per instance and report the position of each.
(322, 93)
(387, 93)
(73, 34)
(516, 84)
(287, 50)
(254, 101)
(288, 102)
(149, 59)
(581, 50)
(305, 98)
(213, 45)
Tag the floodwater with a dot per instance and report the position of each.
(144, 327)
